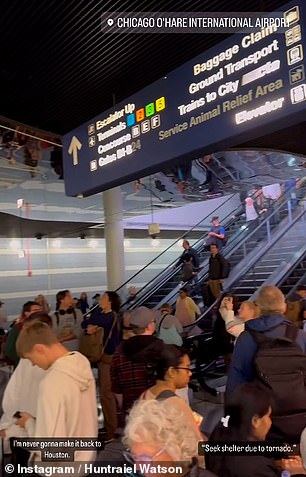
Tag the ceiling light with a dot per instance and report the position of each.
(56, 243)
(291, 162)
(15, 244)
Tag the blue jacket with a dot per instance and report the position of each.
(241, 368)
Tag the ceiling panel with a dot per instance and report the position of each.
(58, 69)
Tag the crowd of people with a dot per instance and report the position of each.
(143, 381)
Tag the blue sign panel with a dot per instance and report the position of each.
(251, 84)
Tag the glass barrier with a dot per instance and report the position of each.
(273, 233)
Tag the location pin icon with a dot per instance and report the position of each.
(110, 22)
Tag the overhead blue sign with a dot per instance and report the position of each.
(246, 86)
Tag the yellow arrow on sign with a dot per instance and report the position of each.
(74, 147)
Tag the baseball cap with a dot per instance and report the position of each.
(142, 316)
(215, 218)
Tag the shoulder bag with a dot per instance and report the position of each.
(92, 346)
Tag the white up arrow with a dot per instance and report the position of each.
(74, 147)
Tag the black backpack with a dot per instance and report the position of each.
(226, 268)
(280, 368)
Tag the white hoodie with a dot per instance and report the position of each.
(67, 405)
(234, 326)
(20, 395)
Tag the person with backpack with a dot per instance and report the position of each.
(188, 250)
(219, 268)
(66, 321)
(271, 353)
(188, 269)
(296, 306)
(167, 326)
(173, 372)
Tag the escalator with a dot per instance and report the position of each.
(170, 277)
(279, 260)
(296, 277)
(272, 267)
(281, 253)
(243, 240)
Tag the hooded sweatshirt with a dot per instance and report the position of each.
(66, 405)
(241, 368)
(20, 395)
(132, 367)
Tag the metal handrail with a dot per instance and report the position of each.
(162, 253)
(257, 256)
(172, 244)
(234, 244)
(169, 271)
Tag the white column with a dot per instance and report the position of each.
(114, 236)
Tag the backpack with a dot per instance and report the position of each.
(165, 395)
(187, 271)
(226, 268)
(169, 335)
(280, 368)
(57, 316)
(294, 311)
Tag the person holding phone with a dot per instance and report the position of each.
(233, 325)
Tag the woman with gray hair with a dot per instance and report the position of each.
(161, 441)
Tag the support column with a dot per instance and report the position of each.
(114, 236)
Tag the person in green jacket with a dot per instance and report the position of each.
(10, 353)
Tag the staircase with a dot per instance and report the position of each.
(288, 252)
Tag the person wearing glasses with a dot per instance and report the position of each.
(156, 434)
(172, 372)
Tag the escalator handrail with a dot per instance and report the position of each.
(284, 270)
(232, 247)
(185, 234)
(170, 271)
(234, 244)
(158, 281)
(256, 258)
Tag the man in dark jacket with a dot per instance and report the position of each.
(218, 270)
(272, 306)
(132, 367)
(188, 251)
